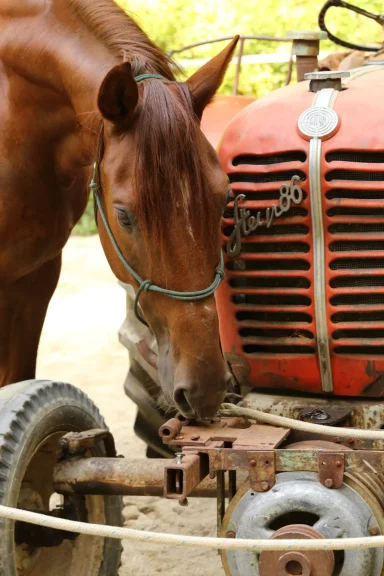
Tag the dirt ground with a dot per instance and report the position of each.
(80, 345)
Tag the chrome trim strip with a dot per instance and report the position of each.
(324, 99)
(319, 288)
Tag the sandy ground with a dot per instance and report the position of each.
(80, 345)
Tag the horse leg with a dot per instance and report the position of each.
(23, 306)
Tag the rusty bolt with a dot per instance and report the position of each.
(252, 463)
(195, 437)
(338, 463)
(328, 483)
(231, 534)
(264, 486)
(179, 437)
(179, 457)
(374, 531)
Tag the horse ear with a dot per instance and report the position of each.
(204, 83)
(118, 94)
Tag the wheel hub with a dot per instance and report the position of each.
(293, 563)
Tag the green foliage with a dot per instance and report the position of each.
(86, 225)
(172, 24)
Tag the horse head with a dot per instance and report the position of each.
(162, 193)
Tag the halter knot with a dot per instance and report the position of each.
(146, 285)
(220, 272)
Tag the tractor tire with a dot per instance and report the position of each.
(33, 416)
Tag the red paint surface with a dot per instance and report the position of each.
(219, 113)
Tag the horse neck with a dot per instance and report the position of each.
(49, 53)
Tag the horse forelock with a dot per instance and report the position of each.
(170, 167)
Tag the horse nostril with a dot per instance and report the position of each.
(180, 397)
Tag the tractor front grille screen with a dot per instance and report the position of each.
(354, 220)
(270, 282)
(268, 159)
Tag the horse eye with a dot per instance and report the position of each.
(123, 218)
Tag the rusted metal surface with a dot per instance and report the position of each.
(75, 443)
(331, 469)
(220, 498)
(240, 367)
(170, 429)
(306, 563)
(232, 484)
(183, 475)
(133, 477)
(306, 48)
(363, 413)
(262, 470)
(221, 433)
(333, 416)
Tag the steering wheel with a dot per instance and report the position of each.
(379, 18)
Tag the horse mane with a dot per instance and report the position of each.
(168, 175)
(122, 35)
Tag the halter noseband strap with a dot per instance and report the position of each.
(145, 285)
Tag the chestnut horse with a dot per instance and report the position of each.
(68, 68)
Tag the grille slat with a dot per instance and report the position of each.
(342, 193)
(265, 177)
(277, 349)
(354, 228)
(275, 333)
(357, 333)
(292, 213)
(357, 281)
(352, 211)
(268, 159)
(356, 317)
(357, 246)
(272, 282)
(289, 229)
(360, 350)
(355, 176)
(271, 299)
(274, 248)
(277, 264)
(355, 156)
(357, 300)
(267, 317)
(357, 264)
(261, 195)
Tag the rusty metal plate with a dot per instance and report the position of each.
(183, 475)
(262, 470)
(230, 434)
(331, 469)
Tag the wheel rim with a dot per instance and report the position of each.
(295, 498)
(80, 557)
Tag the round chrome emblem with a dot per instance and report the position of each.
(318, 122)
